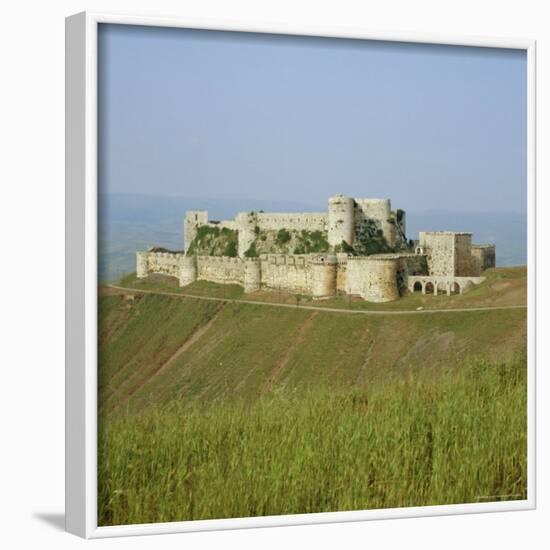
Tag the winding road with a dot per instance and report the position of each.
(129, 290)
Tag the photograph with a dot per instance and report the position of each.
(312, 274)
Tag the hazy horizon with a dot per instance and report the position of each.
(312, 206)
(130, 222)
(219, 114)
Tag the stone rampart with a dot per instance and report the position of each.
(376, 278)
(220, 269)
(310, 221)
(164, 262)
(286, 272)
(341, 272)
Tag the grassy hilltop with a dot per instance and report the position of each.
(214, 409)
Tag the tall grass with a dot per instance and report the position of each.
(413, 442)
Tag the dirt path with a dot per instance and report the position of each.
(128, 290)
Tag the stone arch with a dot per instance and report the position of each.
(429, 288)
(417, 286)
(441, 287)
(454, 288)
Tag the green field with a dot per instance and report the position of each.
(214, 409)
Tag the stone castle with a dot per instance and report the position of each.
(348, 233)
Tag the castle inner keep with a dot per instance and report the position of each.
(438, 262)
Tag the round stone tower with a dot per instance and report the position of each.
(341, 221)
(188, 270)
(379, 210)
(376, 209)
(141, 264)
(323, 276)
(374, 278)
(252, 275)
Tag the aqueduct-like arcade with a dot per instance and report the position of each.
(436, 285)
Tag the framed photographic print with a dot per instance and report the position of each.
(300, 275)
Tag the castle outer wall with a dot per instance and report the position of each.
(377, 278)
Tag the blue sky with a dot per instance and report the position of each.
(239, 115)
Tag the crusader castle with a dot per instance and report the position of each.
(357, 247)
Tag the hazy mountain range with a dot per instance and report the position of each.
(130, 222)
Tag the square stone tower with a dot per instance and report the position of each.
(449, 253)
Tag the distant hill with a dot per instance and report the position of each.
(129, 222)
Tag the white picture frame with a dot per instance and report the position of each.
(81, 275)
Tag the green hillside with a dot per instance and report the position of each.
(248, 350)
(219, 409)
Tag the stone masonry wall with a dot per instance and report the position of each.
(440, 250)
(379, 211)
(167, 263)
(373, 278)
(483, 257)
(310, 221)
(220, 269)
(449, 254)
(415, 264)
(463, 255)
(341, 272)
(286, 272)
(192, 220)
